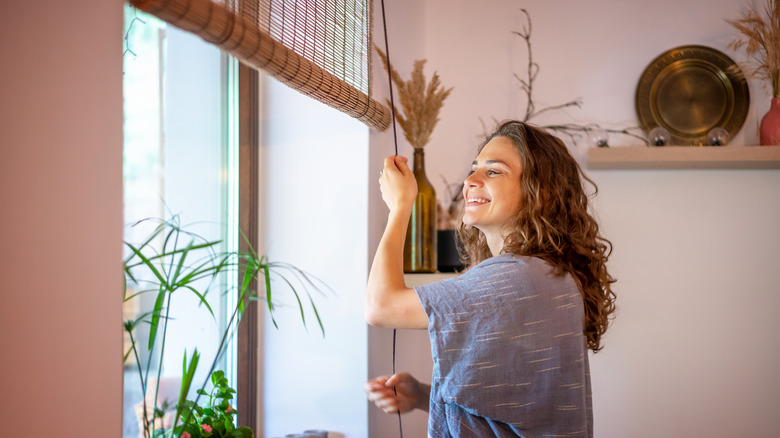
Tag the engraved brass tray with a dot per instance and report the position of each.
(689, 90)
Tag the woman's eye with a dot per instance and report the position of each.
(487, 172)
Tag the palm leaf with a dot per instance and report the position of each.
(146, 262)
(156, 312)
(202, 299)
(267, 274)
(188, 373)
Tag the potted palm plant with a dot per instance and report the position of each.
(172, 261)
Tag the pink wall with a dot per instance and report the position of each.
(61, 197)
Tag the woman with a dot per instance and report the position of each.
(510, 336)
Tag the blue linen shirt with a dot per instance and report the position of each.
(510, 356)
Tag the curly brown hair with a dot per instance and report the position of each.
(553, 223)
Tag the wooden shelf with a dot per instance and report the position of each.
(684, 157)
(414, 280)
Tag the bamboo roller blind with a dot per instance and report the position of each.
(321, 48)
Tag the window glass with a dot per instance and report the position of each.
(178, 165)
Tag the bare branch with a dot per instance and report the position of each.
(576, 102)
(570, 130)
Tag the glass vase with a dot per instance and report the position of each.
(420, 245)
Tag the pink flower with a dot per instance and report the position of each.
(185, 435)
(207, 428)
(229, 409)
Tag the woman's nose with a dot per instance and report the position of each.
(472, 180)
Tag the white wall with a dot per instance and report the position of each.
(61, 226)
(315, 213)
(694, 347)
(694, 350)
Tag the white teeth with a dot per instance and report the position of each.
(478, 200)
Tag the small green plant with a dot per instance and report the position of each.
(172, 260)
(216, 418)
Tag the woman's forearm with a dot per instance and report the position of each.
(386, 277)
(389, 303)
(424, 401)
(388, 266)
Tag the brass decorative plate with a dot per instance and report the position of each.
(689, 90)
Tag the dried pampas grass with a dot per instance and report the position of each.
(421, 102)
(761, 40)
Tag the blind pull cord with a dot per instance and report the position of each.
(395, 143)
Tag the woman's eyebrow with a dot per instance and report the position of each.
(487, 162)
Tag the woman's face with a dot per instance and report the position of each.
(492, 191)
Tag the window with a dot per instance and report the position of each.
(180, 158)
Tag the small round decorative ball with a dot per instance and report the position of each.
(599, 138)
(659, 136)
(717, 137)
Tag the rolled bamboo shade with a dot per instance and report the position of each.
(318, 47)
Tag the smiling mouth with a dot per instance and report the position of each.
(477, 200)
